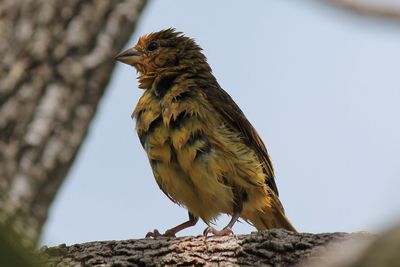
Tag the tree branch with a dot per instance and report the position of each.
(384, 11)
(274, 247)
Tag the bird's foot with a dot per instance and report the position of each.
(211, 230)
(156, 234)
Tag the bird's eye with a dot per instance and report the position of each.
(152, 46)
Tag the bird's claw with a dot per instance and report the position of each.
(211, 230)
(156, 234)
(153, 234)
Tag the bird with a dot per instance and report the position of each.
(204, 153)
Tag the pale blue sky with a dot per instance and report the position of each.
(321, 87)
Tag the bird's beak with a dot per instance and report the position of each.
(130, 56)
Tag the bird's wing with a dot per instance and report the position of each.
(234, 117)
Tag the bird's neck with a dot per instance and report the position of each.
(160, 82)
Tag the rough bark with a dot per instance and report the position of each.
(269, 248)
(56, 60)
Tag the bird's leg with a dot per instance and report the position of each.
(171, 232)
(227, 230)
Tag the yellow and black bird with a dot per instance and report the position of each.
(204, 153)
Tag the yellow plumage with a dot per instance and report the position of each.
(204, 153)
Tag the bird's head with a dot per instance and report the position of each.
(166, 50)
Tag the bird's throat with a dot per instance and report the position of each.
(159, 84)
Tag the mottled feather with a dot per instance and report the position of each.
(204, 153)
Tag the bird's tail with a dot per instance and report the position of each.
(272, 216)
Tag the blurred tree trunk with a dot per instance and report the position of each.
(56, 61)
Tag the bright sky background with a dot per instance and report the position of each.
(321, 87)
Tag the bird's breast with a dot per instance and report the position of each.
(173, 126)
(179, 138)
